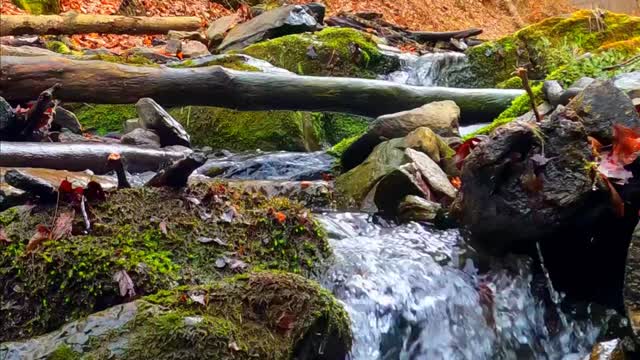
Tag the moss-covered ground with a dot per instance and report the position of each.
(161, 238)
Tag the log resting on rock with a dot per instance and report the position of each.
(72, 23)
(81, 156)
(22, 79)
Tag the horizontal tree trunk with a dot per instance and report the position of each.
(422, 36)
(81, 156)
(70, 24)
(22, 79)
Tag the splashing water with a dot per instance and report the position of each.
(433, 69)
(414, 293)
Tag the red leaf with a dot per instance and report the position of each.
(280, 217)
(286, 322)
(63, 225)
(42, 234)
(464, 150)
(65, 186)
(94, 192)
(626, 144)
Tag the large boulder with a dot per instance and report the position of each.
(65, 119)
(285, 20)
(440, 116)
(152, 116)
(261, 315)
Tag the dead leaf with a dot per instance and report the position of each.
(626, 144)
(42, 234)
(286, 322)
(236, 264)
(63, 225)
(207, 240)
(198, 296)
(540, 159)
(612, 169)
(4, 239)
(229, 214)
(234, 346)
(163, 227)
(124, 283)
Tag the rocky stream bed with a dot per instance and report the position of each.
(160, 229)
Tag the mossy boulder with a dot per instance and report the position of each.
(39, 7)
(260, 315)
(160, 238)
(549, 44)
(103, 118)
(330, 52)
(597, 65)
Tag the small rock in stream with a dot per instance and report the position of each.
(154, 117)
(141, 137)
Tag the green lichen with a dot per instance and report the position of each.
(73, 277)
(39, 7)
(233, 62)
(549, 44)
(330, 52)
(103, 119)
(58, 46)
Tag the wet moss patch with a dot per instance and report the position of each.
(160, 238)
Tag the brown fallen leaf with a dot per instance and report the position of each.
(42, 234)
(124, 283)
(63, 225)
(4, 239)
(286, 322)
(163, 227)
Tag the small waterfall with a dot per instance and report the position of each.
(433, 69)
(414, 293)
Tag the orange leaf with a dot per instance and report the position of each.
(456, 182)
(595, 145)
(41, 235)
(626, 144)
(180, 55)
(280, 217)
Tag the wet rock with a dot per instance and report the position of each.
(270, 166)
(67, 120)
(131, 124)
(421, 177)
(600, 106)
(354, 185)
(6, 116)
(629, 83)
(503, 189)
(607, 350)
(153, 116)
(278, 22)
(45, 182)
(186, 35)
(423, 139)
(8, 50)
(219, 28)
(415, 208)
(441, 117)
(141, 137)
(251, 309)
(192, 49)
(11, 196)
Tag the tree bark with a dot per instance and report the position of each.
(72, 23)
(422, 36)
(82, 156)
(22, 78)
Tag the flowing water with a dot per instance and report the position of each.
(414, 293)
(433, 69)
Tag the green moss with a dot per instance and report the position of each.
(129, 60)
(73, 277)
(249, 130)
(233, 62)
(39, 7)
(64, 352)
(266, 315)
(10, 215)
(338, 127)
(58, 46)
(342, 146)
(333, 51)
(548, 45)
(104, 118)
(511, 83)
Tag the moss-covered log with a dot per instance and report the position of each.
(22, 78)
(82, 156)
(161, 238)
(72, 23)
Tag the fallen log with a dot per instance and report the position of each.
(73, 23)
(424, 36)
(82, 156)
(22, 78)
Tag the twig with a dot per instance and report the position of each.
(625, 63)
(83, 209)
(115, 162)
(35, 114)
(523, 74)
